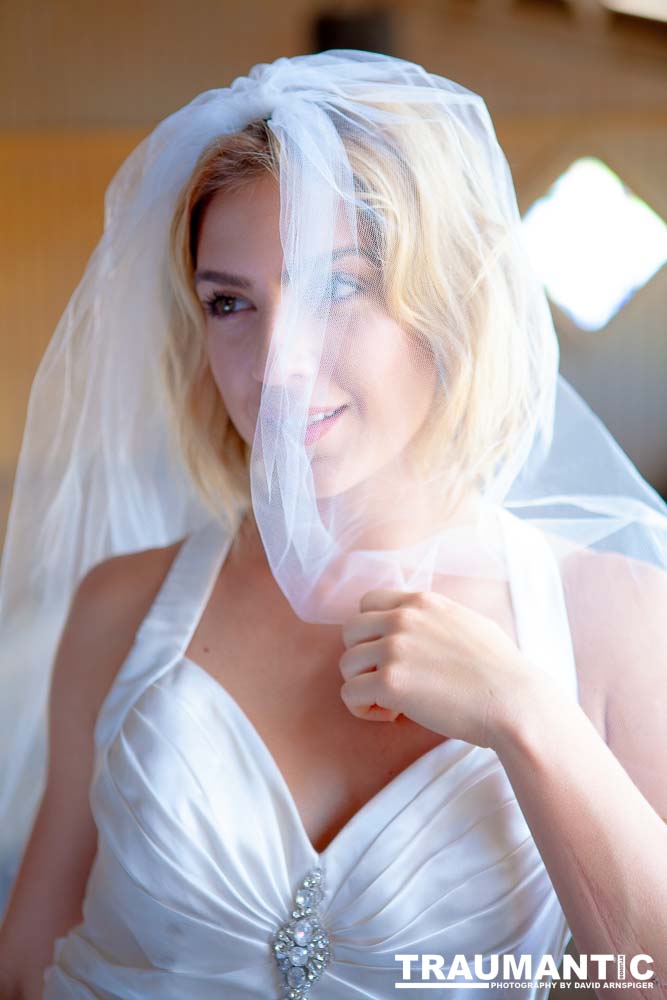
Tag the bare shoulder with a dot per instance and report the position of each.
(140, 571)
(617, 607)
(47, 895)
(110, 603)
(123, 587)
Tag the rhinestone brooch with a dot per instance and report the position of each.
(301, 946)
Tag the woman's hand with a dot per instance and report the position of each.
(437, 662)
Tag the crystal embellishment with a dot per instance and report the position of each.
(301, 946)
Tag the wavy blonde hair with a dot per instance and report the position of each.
(451, 277)
(215, 454)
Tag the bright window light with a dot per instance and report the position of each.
(653, 9)
(593, 242)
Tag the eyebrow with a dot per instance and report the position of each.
(224, 277)
(238, 281)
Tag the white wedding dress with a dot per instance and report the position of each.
(201, 847)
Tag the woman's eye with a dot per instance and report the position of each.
(224, 305)
(343, 286)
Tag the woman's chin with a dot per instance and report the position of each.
(327, 486)
(330, 480)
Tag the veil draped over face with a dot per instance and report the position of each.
(409, 388)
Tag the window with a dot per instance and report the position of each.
(593, 242)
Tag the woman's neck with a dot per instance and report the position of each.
(374, 533)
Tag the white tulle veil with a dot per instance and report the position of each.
(402, 170)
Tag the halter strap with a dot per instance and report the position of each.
(165, 633)
(166, 630)
(538, 598)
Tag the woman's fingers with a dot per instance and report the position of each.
(362, 657)
(363, 697)
(382, 599)
(364, 627)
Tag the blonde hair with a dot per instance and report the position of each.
(215, 454)
(451, 276)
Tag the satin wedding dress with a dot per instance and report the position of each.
(201, 847)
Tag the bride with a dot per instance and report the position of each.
(306, 375)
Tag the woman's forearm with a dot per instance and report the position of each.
(603, 844)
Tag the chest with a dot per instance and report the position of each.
(285, 675)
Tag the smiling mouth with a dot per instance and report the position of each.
(321, 423)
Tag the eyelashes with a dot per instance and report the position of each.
(341, 281)
(342, 287)
(218, 306)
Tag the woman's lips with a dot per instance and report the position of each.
(316, 428)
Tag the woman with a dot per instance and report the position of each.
(313, 283)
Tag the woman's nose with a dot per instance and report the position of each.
(287, 348)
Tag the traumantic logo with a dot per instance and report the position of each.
(593, 972)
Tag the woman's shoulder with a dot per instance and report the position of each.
(125, 585)
(616, 608)
(608, 595)
(612, 597)
(109, 605)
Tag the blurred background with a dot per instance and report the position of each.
(577, 90)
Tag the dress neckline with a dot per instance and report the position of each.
(171, 623)
(392, 793)
(449, 747)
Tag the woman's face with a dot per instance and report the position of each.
(377, 379)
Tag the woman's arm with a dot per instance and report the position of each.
(593, 799)
(603, 840)
(48, 891)
(47, 895)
